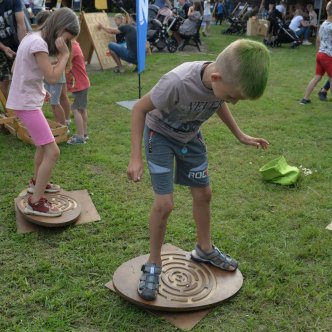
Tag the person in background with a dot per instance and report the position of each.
(184, 8)
(219, 11)
(12, 31)
(206, 24)
(117, 51)
(313, 23)
(324, 55)
(282, 8)
(300, 26)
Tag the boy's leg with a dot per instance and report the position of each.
(202, 216)
(84, 114)
(79, 122)
(312, 84)
(160, 158)
(161, 209)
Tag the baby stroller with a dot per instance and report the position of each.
(159, 36)
(285, 35)
(237, 24)
(152, 14)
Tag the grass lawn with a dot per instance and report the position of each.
(54, 281)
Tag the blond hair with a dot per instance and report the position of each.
(245, 64)
(120, 17)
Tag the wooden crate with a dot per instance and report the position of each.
(16, 128)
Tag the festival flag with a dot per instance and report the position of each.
(142, 28)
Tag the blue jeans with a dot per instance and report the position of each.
(123, 53)
(304, 31)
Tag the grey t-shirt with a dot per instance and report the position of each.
(182, 103)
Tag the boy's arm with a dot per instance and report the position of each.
(140, 109)
(226, 116)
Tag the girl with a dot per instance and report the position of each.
(27, 94)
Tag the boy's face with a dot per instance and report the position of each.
(225, 91)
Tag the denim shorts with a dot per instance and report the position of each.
(55, 91)
(123, 52)
(191, 164)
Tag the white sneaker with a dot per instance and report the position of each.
(306, 42)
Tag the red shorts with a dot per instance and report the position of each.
(323, 64)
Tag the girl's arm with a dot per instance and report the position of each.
(140, 109)
(226, 116)
(51, 72)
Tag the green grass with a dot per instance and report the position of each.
(54, 281)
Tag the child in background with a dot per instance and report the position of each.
(170, 116)
(206, 24)
(26, 97)
(323, 56)
(58, 92)
(78, 83)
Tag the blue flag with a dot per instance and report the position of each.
(142, 28)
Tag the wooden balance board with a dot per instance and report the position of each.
(184, 284)
(71, 210)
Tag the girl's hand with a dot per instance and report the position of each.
(62, 46)
(258, 142)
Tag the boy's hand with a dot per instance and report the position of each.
(61, 46)
(135, 170)
(258, 142)
(99, 26)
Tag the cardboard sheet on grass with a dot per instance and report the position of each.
(329, 227)
(182, 320)
(91, 39)
(88, 213)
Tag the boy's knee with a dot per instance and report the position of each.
(203, 195)
(164, 206)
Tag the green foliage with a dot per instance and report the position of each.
(54, 281)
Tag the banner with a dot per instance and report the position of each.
(142, 27)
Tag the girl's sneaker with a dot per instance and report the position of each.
(75, 139)
(86, 137)
(42, 208)
(50, 187)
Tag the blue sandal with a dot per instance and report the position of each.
(216, 258)
(149, 282)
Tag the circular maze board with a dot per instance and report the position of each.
(184, 284)
(70, 208)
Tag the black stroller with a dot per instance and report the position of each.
(237, 24)
(159, 31)
(285, 35)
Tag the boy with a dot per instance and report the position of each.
(324, 55)
(78, 83)
(118, 51)
(172, 113)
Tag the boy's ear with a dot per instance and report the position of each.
(215, 77)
